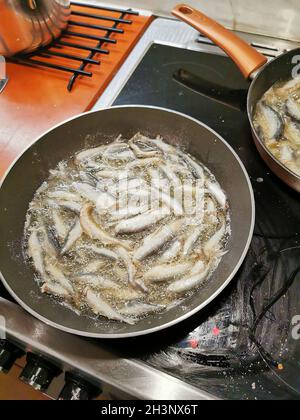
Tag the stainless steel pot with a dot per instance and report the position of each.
(26, 25)
(90, 130)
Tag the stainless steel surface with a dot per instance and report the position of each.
(127, 377)
(274, 18)
(29, 24)
(87, 130)
(180, 35)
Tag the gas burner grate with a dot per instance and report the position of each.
(70, 38)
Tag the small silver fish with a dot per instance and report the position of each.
(178, 168)
(189, 282)
(64, 196)
(112, 175)
(141, 222)
(35, 252)
(293, 108)
(48, 241)
(192, 240)
(89, 154)
(103, 252)
(74, 234)
(210, 206)
(55, 289)
(95, 281)
(172, 252)
(165, 272)
(86, 191)
(139, 153)
(127, 212)
(286, 154)
(95, 232)
(216, 191)
(126, 187)
(143, 162)
(116, 148)
(170, 174)
(161, 145)
(270, 122)
(292, 132)
(131, 270)
(196, 168)
(59, 277)
(67, 205)
(155, 241)
(137, 309)
(105, 201)
(88, 178)
(100, 307)
(59, 225)
(199, 267)
(212, 246)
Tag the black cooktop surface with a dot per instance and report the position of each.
(243, 345)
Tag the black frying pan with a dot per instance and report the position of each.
(254, 66)
(92, 129)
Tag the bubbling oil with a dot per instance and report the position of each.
(57, 207)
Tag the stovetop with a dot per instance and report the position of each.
(241, 346)
(247, 332)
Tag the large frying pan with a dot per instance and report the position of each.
(88, 130)
(253, 66)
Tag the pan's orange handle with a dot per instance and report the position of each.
(246, 57)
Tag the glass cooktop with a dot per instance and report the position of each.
(243, 346)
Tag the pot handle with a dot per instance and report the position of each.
(247, 58)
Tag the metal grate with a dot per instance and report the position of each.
(70, 36)
(268, 50)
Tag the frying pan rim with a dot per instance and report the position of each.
(176, 320)
(250, 117)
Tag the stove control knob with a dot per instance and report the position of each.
(39, 373)
(77, 388)
(9, 353)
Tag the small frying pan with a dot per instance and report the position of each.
(254, 66)
(89, 130)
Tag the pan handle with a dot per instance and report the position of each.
(247, 58)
